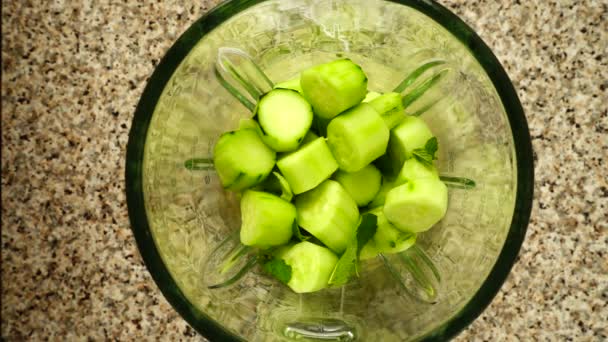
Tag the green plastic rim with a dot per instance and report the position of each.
(176, 54)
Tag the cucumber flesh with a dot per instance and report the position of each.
(310, 136)
(248, 123)
(293, 84)
(285, 118)
(357, 137)
(333, 87)
(370, 96)
(311, 266)
(378, 200)
(242, 159)
(413, 169)
(329, 214)
(369, 251)
(390, 108)
(416, 205)
(307, 167)
(362, 185)
(389, 239)
(266, 219)
(410, 134)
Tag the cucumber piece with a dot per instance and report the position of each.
(276, 184)
(362, 185)
(248, 123)
(310, 136)
(369, 251)
(390, 108)
(413, 169)
(285, 117)
(416, 205)
(242, 159)
(389, 239)
(357, 137)
(329, 214)
(410, 134)
(311, 266)
(381, 195)
(266, 219)
(293, 84)
(308, 167)
(333, 87)
(370, 96)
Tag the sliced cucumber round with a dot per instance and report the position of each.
(309, 166)
(389, 107)
(293, 84)
(334, 87)
(242, 159)
(362, 185)
(285, 118)
(311, 266)
(267, 219)
(357, 137)
(416, 205)
(413, 169)
(410, 134)
(329, 214)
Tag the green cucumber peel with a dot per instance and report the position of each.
(347, 265)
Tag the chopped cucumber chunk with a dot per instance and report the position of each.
(309, 166)
(311, 266)
(242, 159)
(389, 107)
(370, 96)
(333, 87)
(416, 205)
(293, 84)
(410, 134)
(310, 136)
(285, 117)
(368, 251)
(357, 137)
(361, 185)
(389, 239)
(381, 195)
(413, 169)
(329, 214)
(266, 219)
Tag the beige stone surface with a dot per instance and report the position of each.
(73, 71)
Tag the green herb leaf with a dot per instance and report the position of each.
(298, 233)
(278, 269)
(427, 154)
(347, 265)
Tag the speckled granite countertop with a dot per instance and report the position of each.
(72, 73)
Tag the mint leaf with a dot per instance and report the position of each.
(298, 233)
(427, 154)
(278, 269)
(347, 265)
